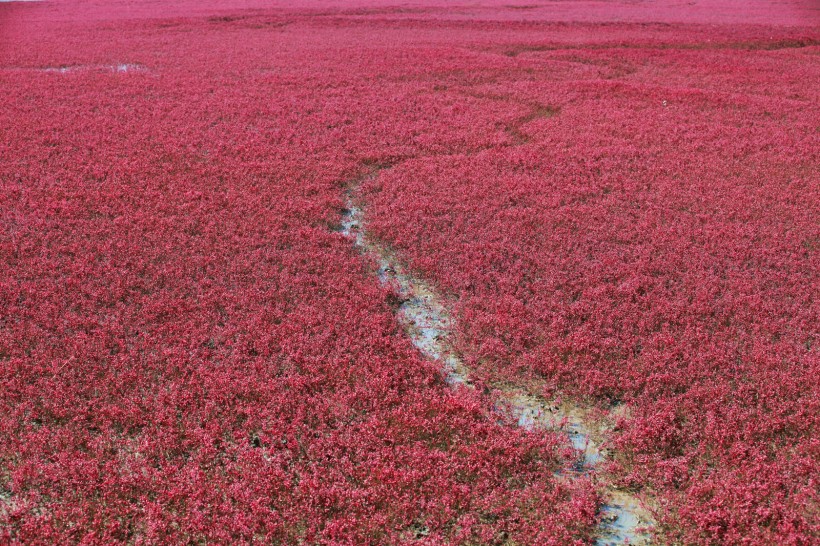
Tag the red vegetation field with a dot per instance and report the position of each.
(619, 203)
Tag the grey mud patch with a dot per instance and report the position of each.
(427, 322)
(7, 504)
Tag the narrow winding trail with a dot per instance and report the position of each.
(427, 322)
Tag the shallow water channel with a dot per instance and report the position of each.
(427, 323)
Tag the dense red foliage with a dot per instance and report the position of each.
(645, 229)
(188, 352)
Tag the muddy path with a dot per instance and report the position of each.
(424, 317)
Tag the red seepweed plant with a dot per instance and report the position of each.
(624, 212)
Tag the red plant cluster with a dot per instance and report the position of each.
(189, 353)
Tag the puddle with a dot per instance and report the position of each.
(127, 68)
(427, 322)
(621, 518)
(78, 68)
(58, 70)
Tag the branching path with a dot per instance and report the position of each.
(427, 322)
